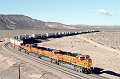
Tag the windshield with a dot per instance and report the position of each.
(87, 57)
(82, 58)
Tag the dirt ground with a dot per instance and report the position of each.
(103, 47)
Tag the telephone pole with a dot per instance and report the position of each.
(19, 65)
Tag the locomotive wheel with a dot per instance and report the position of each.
(40, 56)
(76, 68)
(26, 51)
(53, 60)
(81, 69)
(59, 62)
(85, 70)
(91, 72)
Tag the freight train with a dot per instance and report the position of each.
(75, 61)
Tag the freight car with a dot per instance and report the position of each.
(78, 62)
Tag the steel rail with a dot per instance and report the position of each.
(54, 66)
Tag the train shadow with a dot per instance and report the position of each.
(99, 71)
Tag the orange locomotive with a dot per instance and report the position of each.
(79, 62)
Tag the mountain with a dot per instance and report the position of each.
(57, 25)
(13, 21)
(83, 26)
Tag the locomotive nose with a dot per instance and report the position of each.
(89, 63)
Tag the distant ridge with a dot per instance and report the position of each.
(15, 21)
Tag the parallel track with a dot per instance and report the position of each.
(74, 74)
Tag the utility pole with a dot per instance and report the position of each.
(44, 72)
(19, 65)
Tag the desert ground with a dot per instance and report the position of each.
(103, 47)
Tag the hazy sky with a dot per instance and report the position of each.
(90, 12)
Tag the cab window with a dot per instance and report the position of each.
(82, 58)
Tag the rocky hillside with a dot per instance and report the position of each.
(58, 25)
(12, 22)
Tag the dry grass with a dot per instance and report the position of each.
(110, 39)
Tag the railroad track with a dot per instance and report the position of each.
(72, 73)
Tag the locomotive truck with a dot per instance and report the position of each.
(75, 61)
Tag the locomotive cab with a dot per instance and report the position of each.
(86, 63)
(80, 57)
